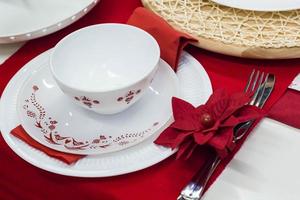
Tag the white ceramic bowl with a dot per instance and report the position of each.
(105, 67)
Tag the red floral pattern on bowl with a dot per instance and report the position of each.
(89, 102)
(129, 96)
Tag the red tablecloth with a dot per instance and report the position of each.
(20, 180)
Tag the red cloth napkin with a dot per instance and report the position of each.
(287, 109)
(171, 41)
(211, 124)
(20, 133)
(165, 178)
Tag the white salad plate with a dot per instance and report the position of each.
(26, 20)
(54, 120)
(194, 86)
(261, 5)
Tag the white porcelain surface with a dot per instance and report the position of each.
(52, 119)
(265, 168)
(111, 64)
(261, 5)
(28, 19)
(194, 85)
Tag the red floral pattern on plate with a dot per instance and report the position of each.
(49, 127)
(87, 101)
(129, 96)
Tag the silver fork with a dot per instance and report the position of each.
(262, 86)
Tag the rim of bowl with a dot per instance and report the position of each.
(147, 73)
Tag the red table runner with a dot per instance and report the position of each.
(20, 180)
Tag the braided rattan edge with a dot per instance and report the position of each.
(234, 49)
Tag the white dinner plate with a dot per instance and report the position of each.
(52, 119)
(261, 5)
(194, 85)
(22, 20)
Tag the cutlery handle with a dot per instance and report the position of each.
(195, 188)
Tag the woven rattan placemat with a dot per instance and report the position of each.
(233, 31)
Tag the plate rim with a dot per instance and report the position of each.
(258, 8)
(49, 29)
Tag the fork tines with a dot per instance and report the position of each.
(256, 85)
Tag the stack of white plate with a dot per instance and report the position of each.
(114, 144)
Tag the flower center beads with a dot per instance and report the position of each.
(206, 120)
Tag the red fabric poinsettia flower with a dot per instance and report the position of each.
(210, 124)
